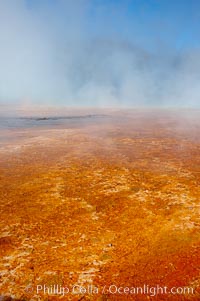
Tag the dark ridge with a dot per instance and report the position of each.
(62, 117)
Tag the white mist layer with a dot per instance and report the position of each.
(50, 54)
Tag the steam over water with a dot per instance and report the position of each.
(99, 53)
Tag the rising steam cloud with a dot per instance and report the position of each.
(78, 53)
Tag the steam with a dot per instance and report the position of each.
(55, 52)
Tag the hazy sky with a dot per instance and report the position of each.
(100, 52)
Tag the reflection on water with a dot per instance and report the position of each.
(10, 127)
(29, 122)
